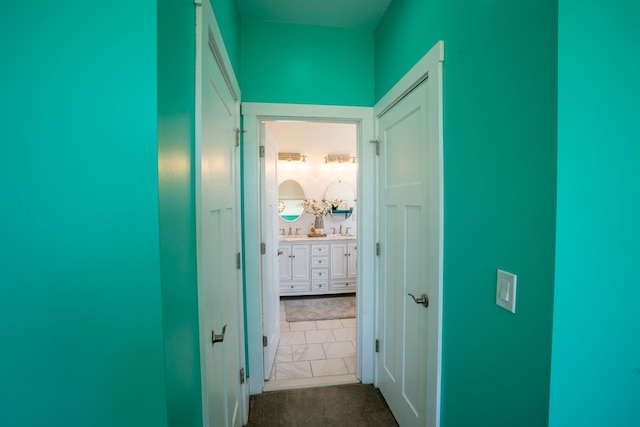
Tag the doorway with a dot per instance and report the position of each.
(325, 157)
(317, 213)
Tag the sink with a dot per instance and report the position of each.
(294, 237)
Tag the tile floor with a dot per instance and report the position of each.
(312, 353)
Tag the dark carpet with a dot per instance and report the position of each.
(352, 405)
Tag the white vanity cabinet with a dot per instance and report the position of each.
(343, 267)
(317, 266)
(294, 268)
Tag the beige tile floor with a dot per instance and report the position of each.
(310, 353)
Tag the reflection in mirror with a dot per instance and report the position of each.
(343, 191)
(290, 195)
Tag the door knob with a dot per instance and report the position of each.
(218, 338)
(424, 299)
(280, 252)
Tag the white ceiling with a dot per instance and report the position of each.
(357, 14)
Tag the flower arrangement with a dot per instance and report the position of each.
(319, 208)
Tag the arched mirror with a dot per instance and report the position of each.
(344, 193)
(290, 195)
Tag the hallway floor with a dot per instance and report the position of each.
(314, 353)
(352, 405)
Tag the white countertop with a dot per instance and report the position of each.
(305, 238)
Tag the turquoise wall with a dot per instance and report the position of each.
(301, 64)
(500, 94)
(596, 341)
(176, 183)
(80, 303)
(228, 18)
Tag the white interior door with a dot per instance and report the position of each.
(270, 261)
(216, 211)
(409, 233)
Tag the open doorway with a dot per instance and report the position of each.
(257, 153)
(317, 252)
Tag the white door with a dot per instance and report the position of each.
(216, 212)
(406, 257)
(270, 260)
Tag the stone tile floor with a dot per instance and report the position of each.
(314, 350)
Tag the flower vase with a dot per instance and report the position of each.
(318, 227)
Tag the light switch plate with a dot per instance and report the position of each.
(506, 290)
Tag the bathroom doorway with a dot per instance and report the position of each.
(255, 153)
(317, 260)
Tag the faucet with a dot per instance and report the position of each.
(298, 229)
(333, 230)
(289, 231)
(347, 232)
(340, 229)
(282, 230)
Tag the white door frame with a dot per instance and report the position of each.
(365, 292)
(430, 66)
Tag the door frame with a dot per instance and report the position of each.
(428, 67)
(253, 113)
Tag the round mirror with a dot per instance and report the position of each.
(345, 200)
(290, 195)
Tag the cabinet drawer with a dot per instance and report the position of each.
(343, 285)
(319, 249)
(319, 273)
(294, 287)
(319, 261)
(320, 286)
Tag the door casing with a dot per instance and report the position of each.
(253, 113)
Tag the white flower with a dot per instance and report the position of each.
(319, 207)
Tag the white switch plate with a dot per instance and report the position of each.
(506, 290)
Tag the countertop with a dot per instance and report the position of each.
(305, 238)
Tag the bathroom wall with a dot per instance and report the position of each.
(316, 140)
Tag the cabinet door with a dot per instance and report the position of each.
(352, 261)
(339, 257)
(300, 262)
(284, 260)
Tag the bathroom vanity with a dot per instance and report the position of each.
(317, 265)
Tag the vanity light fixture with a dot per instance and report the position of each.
(339, 158)
(292, 157)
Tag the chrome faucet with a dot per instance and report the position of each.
(298, 229)
(282, 229)
(333, 230)
(347, 232)
(289, 231)
(340, 229)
